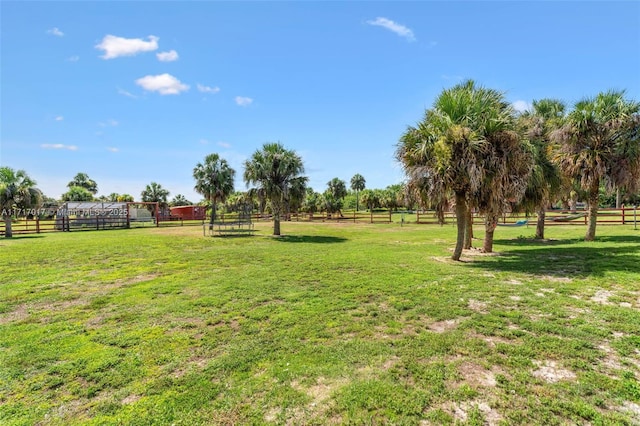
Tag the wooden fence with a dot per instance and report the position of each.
(625, 215)
(621, 216)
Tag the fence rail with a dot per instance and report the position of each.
(626, 215)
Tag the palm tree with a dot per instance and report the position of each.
(546, 180)
(17, 192)
(77, 193)
(82, 180)
(155, 193)
(371, 198)
(357, 184)
(214, 180)
(599, 144)
(297, 193)
(180, 200)
(335, 193)
(443, 154)
(274, 170)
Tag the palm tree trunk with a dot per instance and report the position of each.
(213, 214)
(276, 219)
(461, 219)
(276, 224)
(593, 213)
(8, 231)
(357, 200)
(490, 225)
(542, 212)
(468, 230)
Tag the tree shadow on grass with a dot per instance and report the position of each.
(630, 239)
(566, 258)
(315, 239)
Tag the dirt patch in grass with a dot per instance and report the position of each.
(20, 313)
(553, 279)
(602, 297)
(460, 411)
(446, 325)
(633, 409)
(478, 306)
(551, 373)
(476, 375)
(320, 394)
(130, 399)
(492, 341)
(610, 360)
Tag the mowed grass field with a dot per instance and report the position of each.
(329, 324)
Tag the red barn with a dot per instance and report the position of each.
(189, 212)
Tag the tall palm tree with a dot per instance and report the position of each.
(297, 193)
(600, 144)
(274, 170)
(446, 153)
(82, 180)
(155, 193)
(546, 180)
(17, 192)
(214, 180)
(334, 195)
(357, 184)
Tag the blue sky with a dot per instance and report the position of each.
(134, 92)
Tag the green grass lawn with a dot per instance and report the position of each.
(329, 324)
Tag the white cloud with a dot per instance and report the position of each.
(59, 118)
(127, 94)
(401, 30)
(58, 146)
(243, 101)
(112, 149)
(55, 31)
(169, 56)
(521, 106)
(110, 122)
(114, 47)
(224, 144)
(206, 89)
(165, 84)
(74, 58)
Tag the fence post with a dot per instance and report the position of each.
(371, 215)
(37, 225)
(623, 214)
(389, 215)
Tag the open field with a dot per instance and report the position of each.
(329, 324)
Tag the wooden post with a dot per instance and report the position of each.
(37, 225)
(389, 215)
(128, 217)
(623, 214)
(157, 217)
(371, 210)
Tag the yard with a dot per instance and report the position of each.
(328, 324)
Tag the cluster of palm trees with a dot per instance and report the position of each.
(472, 151)
(274, 171)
